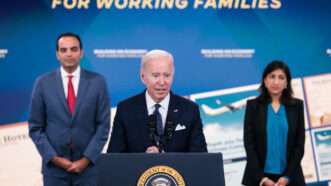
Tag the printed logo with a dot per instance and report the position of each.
(161, 176)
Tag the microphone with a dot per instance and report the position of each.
(155, 138)
(160, 141)
(167, 135)
(170, 128)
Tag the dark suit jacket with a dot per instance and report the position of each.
(56, 132)
(131, 130)
(255, 140)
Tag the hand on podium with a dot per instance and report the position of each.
(152, 149)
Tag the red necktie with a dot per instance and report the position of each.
(71, 99)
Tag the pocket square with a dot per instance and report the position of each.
(180, 127)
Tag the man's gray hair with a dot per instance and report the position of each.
(155, 54)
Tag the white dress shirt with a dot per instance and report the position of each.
(150, 103)
(75, 80)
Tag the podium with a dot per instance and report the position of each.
(167, 169)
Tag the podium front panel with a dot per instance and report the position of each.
(125, 169)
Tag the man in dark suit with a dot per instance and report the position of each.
(69, 118)
(157, 120)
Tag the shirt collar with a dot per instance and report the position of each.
(150, 102)
(65, 74)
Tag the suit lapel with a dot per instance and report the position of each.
(60, 91)
(82, 91)
(142, 108)
(263, 123)
(173, 113)
(289, 116)
(141, 117)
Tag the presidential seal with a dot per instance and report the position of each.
(161, 176)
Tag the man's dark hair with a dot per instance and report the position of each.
(68, 34)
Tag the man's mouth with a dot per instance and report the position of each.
(161, 89)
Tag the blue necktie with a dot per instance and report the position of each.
(159, 125)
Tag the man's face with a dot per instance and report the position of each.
(69, 53)
(157, 75)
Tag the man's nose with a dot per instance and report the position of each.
(69, 54)
(161, 80)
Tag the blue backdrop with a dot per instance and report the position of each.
(297, 32)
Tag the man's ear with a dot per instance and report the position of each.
(57, 55)
(142, 77)
(81, 53)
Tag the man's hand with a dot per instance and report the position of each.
(79, 165)
(61, 162)
(152, 149)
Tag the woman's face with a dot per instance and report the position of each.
(275, 82)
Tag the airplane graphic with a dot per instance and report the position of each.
(323, 137)
(226, 108)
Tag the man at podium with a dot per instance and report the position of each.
(157, 120)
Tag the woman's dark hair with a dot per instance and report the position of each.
(287, 92)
